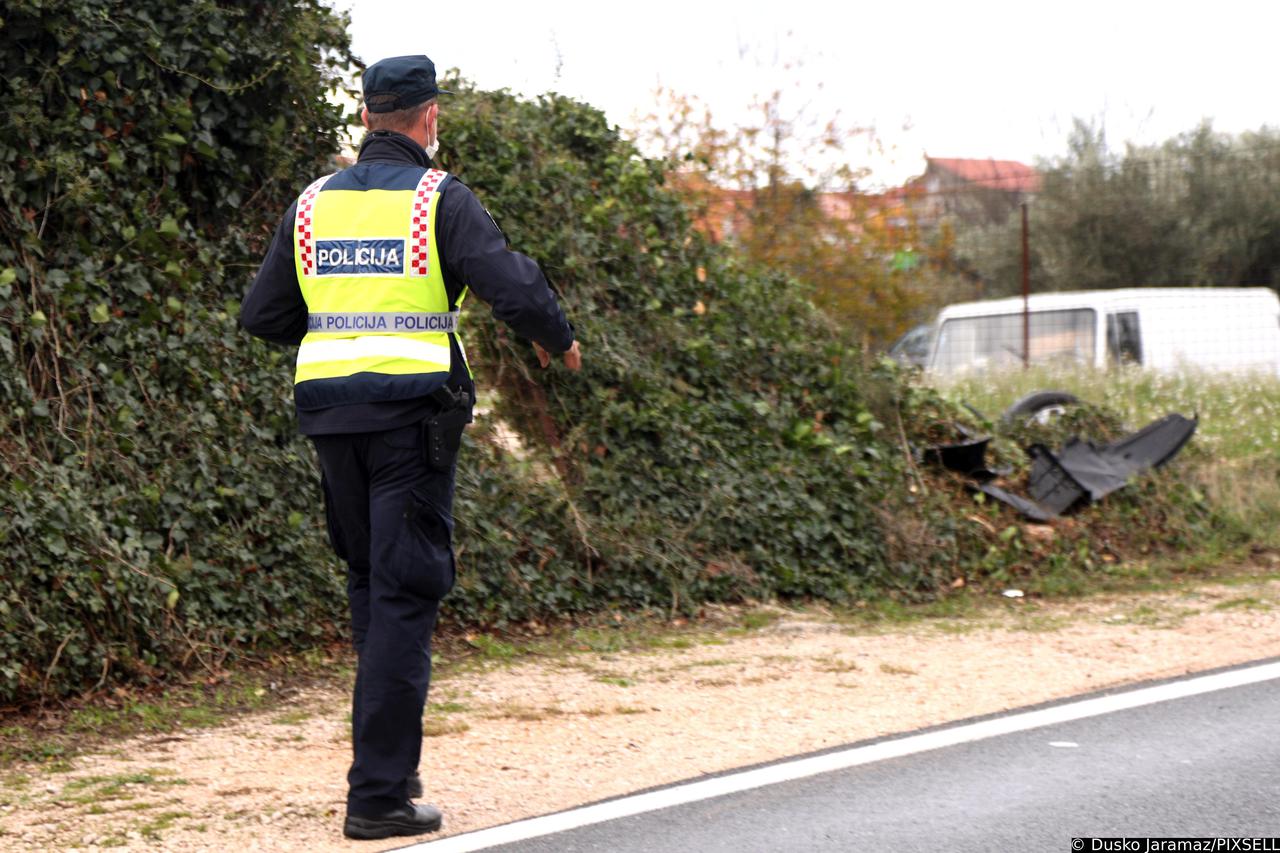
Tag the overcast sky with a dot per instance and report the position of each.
(956, 79)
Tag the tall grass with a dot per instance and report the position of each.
(1239, 414)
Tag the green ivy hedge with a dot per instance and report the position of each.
(159, 510)
(718, 441)
(157, 506)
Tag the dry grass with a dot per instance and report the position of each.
(894, 669)
(436, 727)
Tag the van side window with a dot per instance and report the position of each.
(1124, 339)
(1064, 336)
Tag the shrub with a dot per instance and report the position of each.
(717, 443)
(153, 490)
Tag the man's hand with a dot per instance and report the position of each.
(572, 356)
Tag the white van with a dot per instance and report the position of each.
(1210, 328)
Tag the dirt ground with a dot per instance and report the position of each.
(537, 736)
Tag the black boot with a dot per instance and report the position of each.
(408, 819)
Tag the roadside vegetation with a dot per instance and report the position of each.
(726, 441)
(1239, 415)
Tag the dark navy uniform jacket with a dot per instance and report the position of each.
(473, 253)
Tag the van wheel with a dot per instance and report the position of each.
(1039, 407)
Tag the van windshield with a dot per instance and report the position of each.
(994, 341)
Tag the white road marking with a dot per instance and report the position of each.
(801, 768)
(1063, 744)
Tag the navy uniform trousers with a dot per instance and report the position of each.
(390, 517)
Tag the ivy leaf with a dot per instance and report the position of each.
(100, 313)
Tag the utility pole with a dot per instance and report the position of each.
(1026, 289)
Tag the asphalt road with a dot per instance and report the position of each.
(1203, 765)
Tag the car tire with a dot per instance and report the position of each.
(1037, 406)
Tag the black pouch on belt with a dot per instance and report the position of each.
(442, 432)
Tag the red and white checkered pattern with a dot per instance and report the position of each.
(420, 224)
(302, 226)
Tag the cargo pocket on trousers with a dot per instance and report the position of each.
(424, 550)
(336, 541)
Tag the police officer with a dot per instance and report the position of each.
(365, 274)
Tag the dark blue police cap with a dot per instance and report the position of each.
(399, 83)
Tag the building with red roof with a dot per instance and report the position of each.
(973, 191)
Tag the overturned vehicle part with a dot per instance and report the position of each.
(1081, 471)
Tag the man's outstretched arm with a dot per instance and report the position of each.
(476, 252)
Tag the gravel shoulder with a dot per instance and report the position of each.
(543, 734)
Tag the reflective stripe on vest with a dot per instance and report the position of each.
(382, 322)
(369, 270)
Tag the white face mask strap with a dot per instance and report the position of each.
(435, 144)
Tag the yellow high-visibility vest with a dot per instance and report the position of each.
(379, 316)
